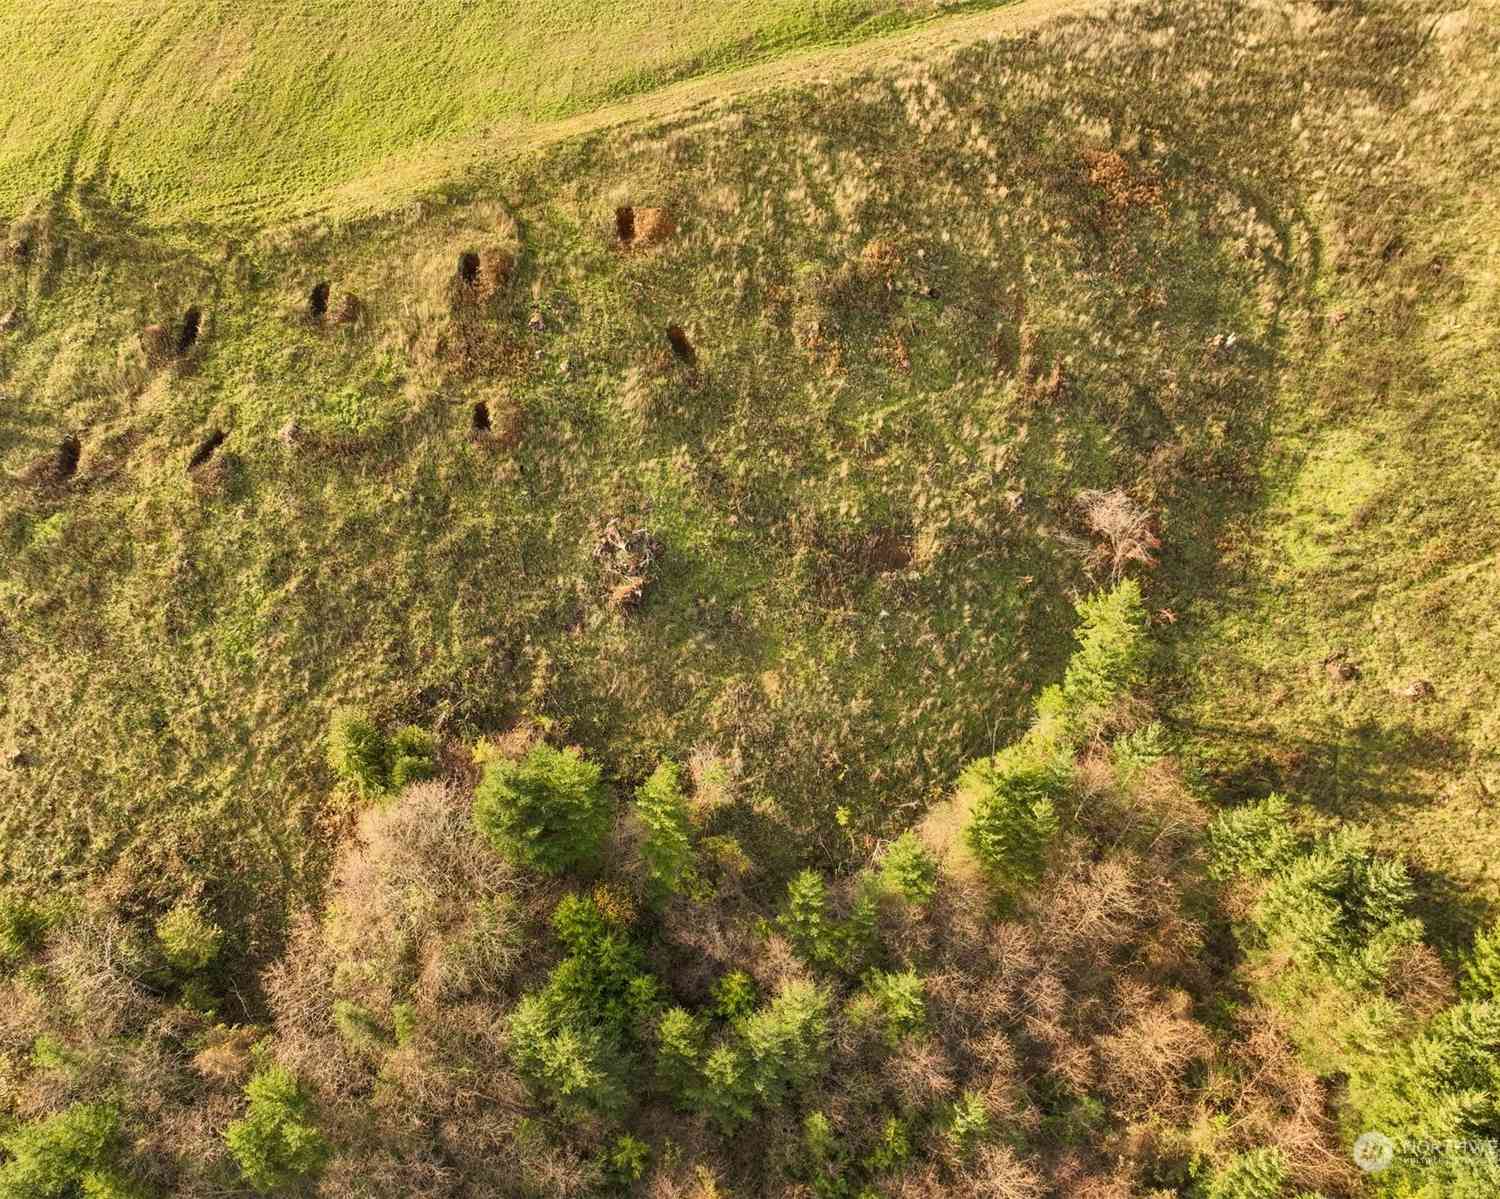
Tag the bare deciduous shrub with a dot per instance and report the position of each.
(1127, 531)
(1276, 1100)
(1000, 1174)
(1419, 981)
(1148, 1060)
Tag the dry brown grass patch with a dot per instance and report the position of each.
(882, 256)
(1125, 186)
(464, 346)
(511, 744)
(496, 269)
(640, 227)
(156, 340)
(1126, 531)
(348, 310)
(227, 1058)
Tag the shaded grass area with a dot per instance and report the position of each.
(1376, 546)
(247, 110)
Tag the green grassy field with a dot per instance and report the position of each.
(235, 113)
(1375, 542)
(863, 491)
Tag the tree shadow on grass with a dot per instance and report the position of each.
(1372, 768)
(1373, 774)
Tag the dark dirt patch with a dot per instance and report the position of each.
(187, 333)
(206, 449)
(884, 551)
(681, 346)
(68, 454)
(466, 346)
(317, 302)
(625, 225)
(481, 275)
(480, 420)
(495, 270)
(509, 426)
(52, 470)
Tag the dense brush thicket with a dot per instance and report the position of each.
(527, 981)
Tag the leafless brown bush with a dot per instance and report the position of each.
(1420, 982)
(1127, 531)
(1276, 1100)
(999, 1173)
(1147, 1061)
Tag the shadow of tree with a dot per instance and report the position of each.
(1366, 772)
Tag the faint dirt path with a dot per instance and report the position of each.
(800, 68)
(926, 42)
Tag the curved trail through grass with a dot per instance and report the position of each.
(938, 37)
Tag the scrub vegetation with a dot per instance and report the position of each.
(925, 633)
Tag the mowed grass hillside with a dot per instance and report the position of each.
(229, 110)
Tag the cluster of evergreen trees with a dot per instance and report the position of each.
(1325, 922)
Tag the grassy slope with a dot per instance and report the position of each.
(174, 663)
(1377, 536)
(240, 111)
(178, 640)
(174, 641)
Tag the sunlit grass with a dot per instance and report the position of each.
(232, 108)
